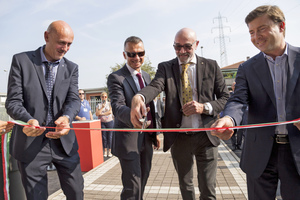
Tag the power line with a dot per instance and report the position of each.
(223, 52)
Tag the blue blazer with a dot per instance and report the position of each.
(254, 87)
(27, 99)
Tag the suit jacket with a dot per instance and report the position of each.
(254, 87)
(122, 88)
(27, 99)
(210, 86)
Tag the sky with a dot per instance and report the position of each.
(101, 27)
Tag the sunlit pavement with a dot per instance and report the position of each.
(104, 181)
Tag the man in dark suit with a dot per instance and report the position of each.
(43, 90)
(208, 97)
(269, 84)
(133, 149)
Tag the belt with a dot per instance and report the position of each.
(190, 132)
(281, 139)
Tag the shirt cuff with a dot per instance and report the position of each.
(142, 97)
(210, 108)
(67, 116)
(227, 116)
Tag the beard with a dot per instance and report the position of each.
(185, 57)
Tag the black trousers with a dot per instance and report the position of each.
(135, 172)
(281, 166)
(34, 173)
(187, 148)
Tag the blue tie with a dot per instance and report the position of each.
(49, 78)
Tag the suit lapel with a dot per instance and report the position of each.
(129, 78)
(176, 72)
(39, 69)
(293, 71)
(262, 70)
(146, 78)
(59, 76)
(200, 71)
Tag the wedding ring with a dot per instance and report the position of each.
(3, 130)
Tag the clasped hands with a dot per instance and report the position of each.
(61, 129)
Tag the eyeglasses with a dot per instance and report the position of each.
(81, 93)
(104, 96)
(186, 47)
(132, 55)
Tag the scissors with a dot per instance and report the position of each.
(144, 126)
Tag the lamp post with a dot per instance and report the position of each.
(6, 79)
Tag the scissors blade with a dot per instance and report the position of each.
(144, 126)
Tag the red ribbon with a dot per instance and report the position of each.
(172, 129)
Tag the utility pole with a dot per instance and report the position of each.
(223, 52)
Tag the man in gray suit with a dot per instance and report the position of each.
(43, 90)
(209, 95)
(269, 83)
(133, 149)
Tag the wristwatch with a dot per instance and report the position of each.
(205, 109)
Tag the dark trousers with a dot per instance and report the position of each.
(135, 172)
(34, 173)
(107, 135)
(281, 166)
(184, 150)
(237, 138)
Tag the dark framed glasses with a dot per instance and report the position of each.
(186, 47)
(132, 55)
(81, 93)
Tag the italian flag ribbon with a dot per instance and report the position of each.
(174, 129)
(5, 164)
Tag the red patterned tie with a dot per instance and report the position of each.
(149, 116)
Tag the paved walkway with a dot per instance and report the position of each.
(104, 181)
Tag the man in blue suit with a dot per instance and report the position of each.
(269, 84)
(43, 90)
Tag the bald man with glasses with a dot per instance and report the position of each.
(195, 94)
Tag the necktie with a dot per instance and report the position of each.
(187, 94)
(141, 83)
(49, 78)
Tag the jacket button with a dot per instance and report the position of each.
(178, 125)
(44, 123)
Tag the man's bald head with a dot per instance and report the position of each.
(186, 33)
(185, 44)
(59, 37)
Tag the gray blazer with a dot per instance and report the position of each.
(27, 99)
(210, 85)
(122, 88)
(254, 87)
